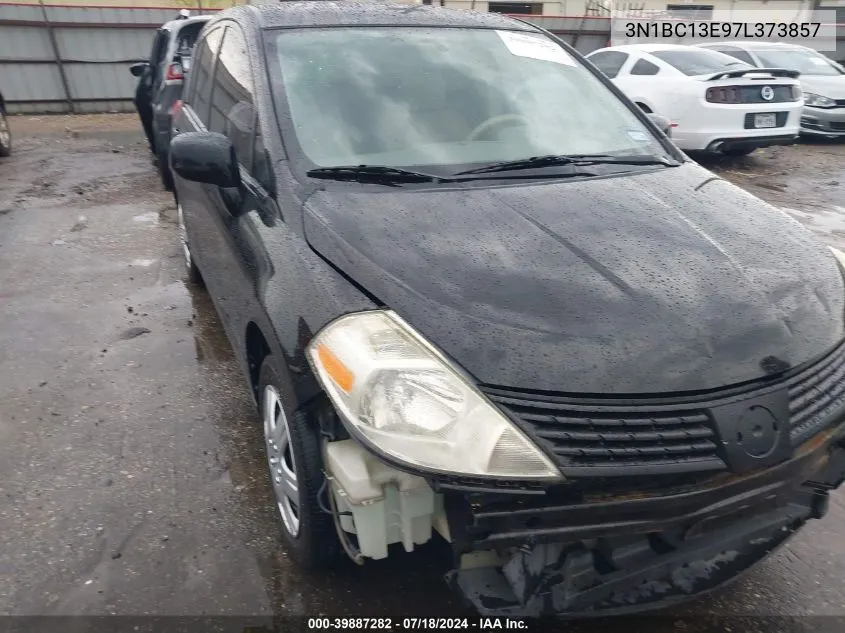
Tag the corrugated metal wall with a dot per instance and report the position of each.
(95, 46)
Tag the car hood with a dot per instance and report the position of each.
(831, 87)
(671, 280)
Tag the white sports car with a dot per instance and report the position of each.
(822, 80)
(715, 102)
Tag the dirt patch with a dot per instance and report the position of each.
(71, 161)
(808, 176)
(72, 125)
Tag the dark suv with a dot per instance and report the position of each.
(160, 84)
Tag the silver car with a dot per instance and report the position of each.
(822, 80)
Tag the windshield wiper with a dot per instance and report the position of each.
(374, 173)
(567, 159)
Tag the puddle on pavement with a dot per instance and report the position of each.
(825, 221)
(144, 263)
(147, 218)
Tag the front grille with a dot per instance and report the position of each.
(610, 441)
(836, 125)
(840, 103)
(816, 395)
(662, 435)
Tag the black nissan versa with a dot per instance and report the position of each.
(481, 298)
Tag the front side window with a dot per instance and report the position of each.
(699, 61)
(444, 96)
(808, 62)
(232, 109)
(199, 94)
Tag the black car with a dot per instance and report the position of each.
(160, 80)
(5, 131)
(480, 298)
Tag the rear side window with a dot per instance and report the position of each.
(700, 61)
(187, 38)
(645, 67)
(609, 62)
(199, 93)
(232, 110)
(737, 53)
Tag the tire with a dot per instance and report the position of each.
(193, 272)
(738, 151)
(164, 171)
(5, 134)
(313, 541)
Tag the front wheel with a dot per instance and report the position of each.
(296, 473)
(5, 134)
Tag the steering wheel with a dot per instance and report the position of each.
(496, 121)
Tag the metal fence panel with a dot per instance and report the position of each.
(96, 45)
(23, 43)
(30, 84)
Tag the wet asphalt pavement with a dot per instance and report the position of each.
(131, 462)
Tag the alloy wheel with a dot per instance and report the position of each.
(183, 236)
(281, 461)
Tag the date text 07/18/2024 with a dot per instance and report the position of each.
(481, 624)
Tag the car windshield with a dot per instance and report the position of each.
(445, 97)
(807, 62)
(694, 62)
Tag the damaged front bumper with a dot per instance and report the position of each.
(618, 555)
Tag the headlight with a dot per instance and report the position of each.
(404, 398)
(818, 101)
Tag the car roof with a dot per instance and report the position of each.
(645, 48)
(756, 46)
(324, 13)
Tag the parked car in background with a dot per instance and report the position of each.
(5, 130)
(822, 80)
(160, 83)
(478, 296)
(715, 102)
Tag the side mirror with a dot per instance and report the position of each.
(138, 69)
(206, 157)
(661, 122)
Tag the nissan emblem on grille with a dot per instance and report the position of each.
(757, 431)
(767, 93)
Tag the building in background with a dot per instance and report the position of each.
(770, 10)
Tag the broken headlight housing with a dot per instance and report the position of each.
(402, 398)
